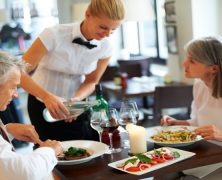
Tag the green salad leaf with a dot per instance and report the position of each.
(157, 152)
(143, 158)
(131, 161)
(73, 151)
(176, 154)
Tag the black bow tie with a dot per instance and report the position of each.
(84, 43)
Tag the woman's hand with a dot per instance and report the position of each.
(24, 132)
(209, 132)
(55, 145)
(55, 106)
(167, 121)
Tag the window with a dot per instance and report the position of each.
(147, 38)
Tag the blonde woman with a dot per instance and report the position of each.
(70, 59)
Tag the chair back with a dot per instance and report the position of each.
(145, 64)
(175, 96)
(109, 73)
(133, 70)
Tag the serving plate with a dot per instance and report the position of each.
(154, 130)
(95, 149)
(183, 155)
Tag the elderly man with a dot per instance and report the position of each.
(39, 163)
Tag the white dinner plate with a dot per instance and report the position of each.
(93, 147)
(183, 155)
(154, 130)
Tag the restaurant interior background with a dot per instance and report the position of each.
(161, 32)
(152, 34)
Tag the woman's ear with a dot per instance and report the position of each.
(87, 13)
(215, 69)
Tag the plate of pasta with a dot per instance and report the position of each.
(173, 136)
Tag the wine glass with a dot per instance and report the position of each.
(129, 112)
(127, 116)
(135, 109)
(109, 122)
(95, 122)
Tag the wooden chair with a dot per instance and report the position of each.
(109, 73)
(178, 96)
(145, 64)
(133, 70)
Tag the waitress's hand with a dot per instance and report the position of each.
(75, 99)
(55, 106)
(209, 132)
(72, 119)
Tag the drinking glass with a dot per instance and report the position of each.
(109, 122)
(95, 122)
(135, 109)
(126, 117)
(128, 112)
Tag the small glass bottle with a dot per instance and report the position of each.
(124, 79)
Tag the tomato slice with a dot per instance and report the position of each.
(167, 156)
(160, 160)
(144, 166)
(133, 169)
(154, 158)
(153, 162)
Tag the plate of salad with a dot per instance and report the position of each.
(80, 151)
(151, 160)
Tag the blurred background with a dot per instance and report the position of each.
(156, 30)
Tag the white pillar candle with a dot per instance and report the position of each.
(137, 138)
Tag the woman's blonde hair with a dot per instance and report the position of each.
(208, 50)
(113, 9)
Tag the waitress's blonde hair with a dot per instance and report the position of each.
(208, 50)
(113, 9)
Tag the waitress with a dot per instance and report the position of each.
(70, 60)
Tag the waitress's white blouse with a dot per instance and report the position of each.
(62, 69)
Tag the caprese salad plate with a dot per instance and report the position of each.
(151, 160)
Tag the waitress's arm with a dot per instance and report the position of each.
(88, 86)
(34, 54)
(53, 103)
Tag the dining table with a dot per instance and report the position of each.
(206, 153)
(136, 87)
